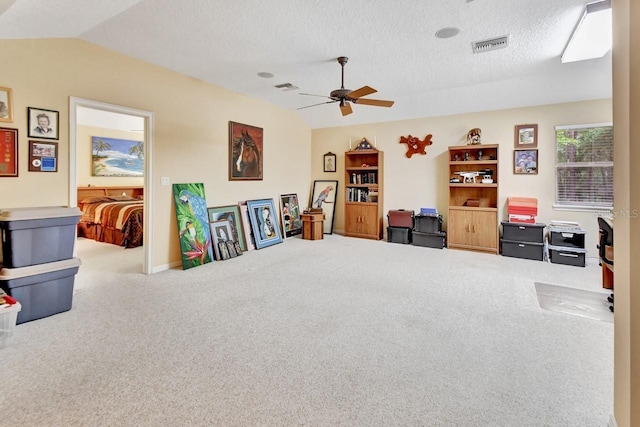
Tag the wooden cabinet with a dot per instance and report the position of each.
(473, 198)
(363, 193)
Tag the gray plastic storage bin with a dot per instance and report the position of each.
(567, 256)
(43, 289)
(33, 236)
(525, 250)
(567, 237)
(399, 235)
(428, 223)
(429, 240)
(520, 232)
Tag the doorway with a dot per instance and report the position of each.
(75, 104)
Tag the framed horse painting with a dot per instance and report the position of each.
(245, 152)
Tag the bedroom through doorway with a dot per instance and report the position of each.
(110, 156)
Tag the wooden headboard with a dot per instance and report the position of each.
(85, 192)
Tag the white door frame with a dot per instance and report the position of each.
(74, 103)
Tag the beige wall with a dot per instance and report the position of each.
(422, 181)
(190, 129)
(84, 157)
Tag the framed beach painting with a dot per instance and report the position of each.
(117, 157)
(324, 197)
(264, 222)
(232, 214)
(290, 213)
(194, 234)
(42, 124)
(245, 152)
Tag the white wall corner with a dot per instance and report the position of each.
(612, 421)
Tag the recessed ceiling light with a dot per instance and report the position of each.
(447, 32)
(265, 75)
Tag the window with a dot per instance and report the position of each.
(584, 166)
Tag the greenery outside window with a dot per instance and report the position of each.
(584, 166)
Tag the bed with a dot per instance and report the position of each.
(112, 215)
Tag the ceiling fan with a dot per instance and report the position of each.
(345, 96)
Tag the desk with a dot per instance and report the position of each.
(312, 226)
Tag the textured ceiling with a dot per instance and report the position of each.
(390, 44)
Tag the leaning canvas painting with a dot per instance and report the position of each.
(193, 224)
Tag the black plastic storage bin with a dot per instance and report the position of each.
(43, 289)
(520, 232)
(525, 250)
(428, 223)
(33, 236)
(567, 256)
(399, 235)
(429, 240)
(568, 238)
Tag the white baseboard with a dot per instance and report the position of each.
(165, 267)
(612, 421)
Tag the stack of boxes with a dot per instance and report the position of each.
(427, 229)
(400, 226)
(37, 267)
(522, 209)
(566, 243)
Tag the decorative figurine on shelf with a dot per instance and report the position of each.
(414, 145)
(479, 155)
(473, 136)
(466, 156)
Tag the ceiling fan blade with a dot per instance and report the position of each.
(363, 91)
(311, 94)
(346, 109)
(375, 102)
(313, 105)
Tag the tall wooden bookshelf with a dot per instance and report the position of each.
(363, 174)
(473, 205)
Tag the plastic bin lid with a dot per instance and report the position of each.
(32, 270)
(568, 230)
(10, 308)
(566, 249)
(22, 214)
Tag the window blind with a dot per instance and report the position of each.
(584, 165)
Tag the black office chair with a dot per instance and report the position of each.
(606, 239)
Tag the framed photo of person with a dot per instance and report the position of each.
(221, 234)
(42, 124)
(525, 162)
(6, 105)
(264, 222)
(526, 136)
(329, 162)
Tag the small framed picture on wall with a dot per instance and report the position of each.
(525, 162)
(329, 162)
(43, 156)
(43, 124)
(526, 136)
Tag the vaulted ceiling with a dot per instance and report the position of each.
(391, 46)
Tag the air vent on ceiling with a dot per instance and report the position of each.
(287, 86)
(491, 44)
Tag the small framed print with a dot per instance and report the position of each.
(43, 156)
(525, 162)
(6, 105)
(43, 124)
(8, 152)
(526, 136)
(329, 162)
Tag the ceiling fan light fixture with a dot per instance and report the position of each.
(447, 32)
(265, 75)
